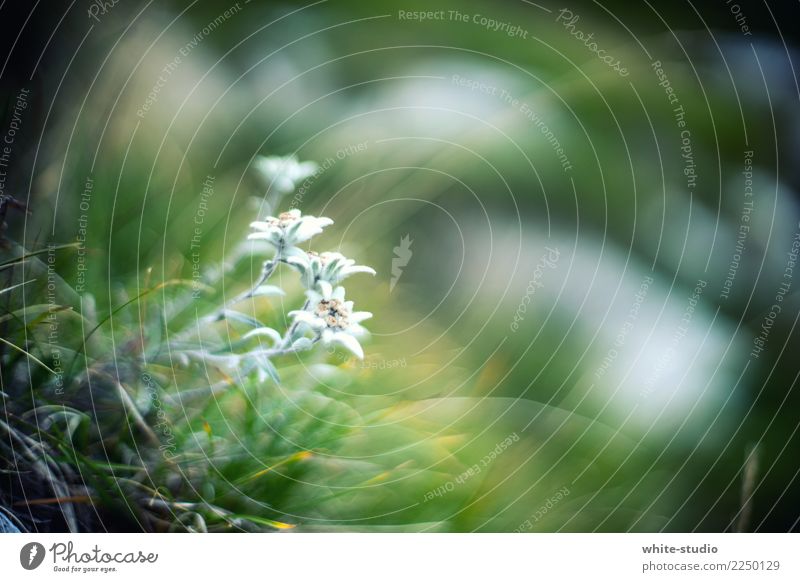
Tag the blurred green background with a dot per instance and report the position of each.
(565, 349)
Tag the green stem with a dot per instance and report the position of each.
(287, 338)
(267, 269)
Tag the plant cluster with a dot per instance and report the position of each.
(153, 416)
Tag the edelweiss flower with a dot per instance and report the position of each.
(284, 173)
(288, 229)
(333, 319)
(325, 269)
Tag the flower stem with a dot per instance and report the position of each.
(287, 339)
(284, 349)
(267, 269)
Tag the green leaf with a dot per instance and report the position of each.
(303, 343)
(268, 290)
(264, 331)
(232, 315)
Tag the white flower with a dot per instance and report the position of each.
(325, 269)
(288, 229)
(333, 318)
(284, 173)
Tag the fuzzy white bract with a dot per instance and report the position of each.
(288, 228)
(284, 173)
(322, 271)
(326, 317)
(333, 320)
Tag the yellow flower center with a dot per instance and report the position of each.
(334, 313)
(284, 219)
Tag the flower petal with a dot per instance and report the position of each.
(283, 183)
(325, 287)
(350, 343)
(267, 290)
(302, 344)
(305, 231)
(261, 236)
(356, 269)
(304, 170)
(261, 225)
(307, 318)
(299, 263)
(296, 252)
(359, 316)
(314, 297)
(263, 331)
(357, 330)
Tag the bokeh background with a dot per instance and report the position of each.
(593, 328)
